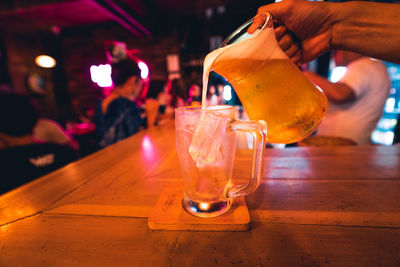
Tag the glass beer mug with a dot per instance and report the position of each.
(270, 86)
(205, 142)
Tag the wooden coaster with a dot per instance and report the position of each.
(168, 214)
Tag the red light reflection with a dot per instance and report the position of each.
(148, 149)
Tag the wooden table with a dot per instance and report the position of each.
(316, 207)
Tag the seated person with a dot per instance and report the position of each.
(22, 156)
(178, 94)
(51, 132)
(212, 96)
(173, 96)
(153, 101)
(356, 101)
(195, 95)
(117, 115)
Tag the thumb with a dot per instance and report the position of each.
(277, 10)
(258, 22)
(274, 9)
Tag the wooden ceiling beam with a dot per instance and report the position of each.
(124, 15)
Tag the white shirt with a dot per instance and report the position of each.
(356, 120)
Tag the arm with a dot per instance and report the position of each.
(336, 92)
(369, 28)
(50, 131)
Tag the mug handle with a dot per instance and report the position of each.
(258, 130)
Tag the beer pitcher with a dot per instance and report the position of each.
(270, 86)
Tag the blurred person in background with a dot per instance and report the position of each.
(117, 115)
(50, 131)
(164, 98)
(174, 95)
(22, 156)
(220, 93)
(212, 96)
(178, 93)
(357, 100)
(195, 94)
(152, 102)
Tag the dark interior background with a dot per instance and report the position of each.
(74, 33)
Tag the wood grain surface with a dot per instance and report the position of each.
(168, 214)
(335, 206)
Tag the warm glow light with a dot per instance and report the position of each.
(45, 61)
(101, 75)
(337, 74)
(204, 206)
(144, 69)
(384, 138)
(227, 94)
(390, 104)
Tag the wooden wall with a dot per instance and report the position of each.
(68, 88)
(21, 51)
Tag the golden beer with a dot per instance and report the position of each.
(277, 92)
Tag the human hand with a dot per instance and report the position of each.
(309, 22)
(288, 43)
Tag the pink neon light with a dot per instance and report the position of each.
(144, 69)
(148, 150)
(101, 75)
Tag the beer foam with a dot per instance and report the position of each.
(261, 45)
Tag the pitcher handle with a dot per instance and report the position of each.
(242, 30)
(258, 130)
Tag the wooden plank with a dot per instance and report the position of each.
(327, 167)
(327, 202)
(315, 206)
(75, 186)
(319, 168)
(102, 210)
(168, 214)
(55, 240)
(340, 151)
(340, 196)
(330, 196)
(338, 218)
(344, 218)
(127, 190)
(123, 163)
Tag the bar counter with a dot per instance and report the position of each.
(315, 207)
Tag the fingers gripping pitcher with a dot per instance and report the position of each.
(268, 83)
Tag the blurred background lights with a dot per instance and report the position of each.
(101, 75)
(384, 138)
(390, 104)
(45, 61)
(227, 94)
(337, 74)
(144, 69)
